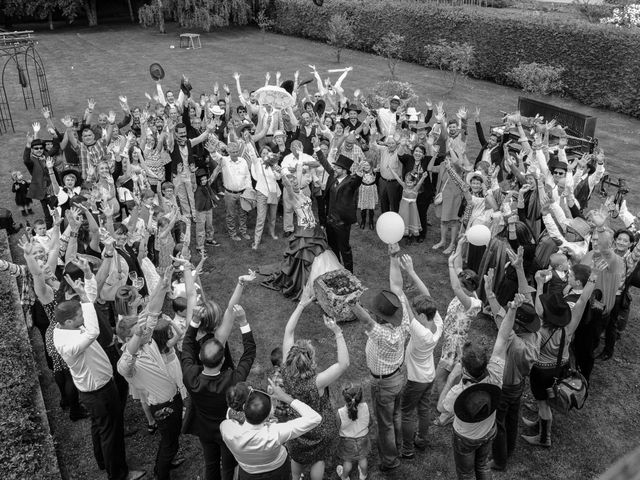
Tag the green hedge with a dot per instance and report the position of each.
(26, 447)
(602, 62)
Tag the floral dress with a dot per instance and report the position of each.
(368, 192)
(456, 326)
(318, 444)
(409, 212)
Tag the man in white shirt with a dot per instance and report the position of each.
(388, 117)
(236, 178)
(389, 190)
(74, 338)
(426, 329)
(296, 163)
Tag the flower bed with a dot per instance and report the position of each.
(336, 291)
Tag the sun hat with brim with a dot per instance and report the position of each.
(557, 311)
(288, 86)
(343, 162)
(244, 126)
(279, 133)
(70, 171)
(412, 118)
(156, 71)
(422, 126)
(476, 174)
(579, 225)
(411, 111)
(384, 304)
(557, 164)
(216, 110)
(395, 98)
(353, 108)
(477, 403)
(37, 143)
(527, 318)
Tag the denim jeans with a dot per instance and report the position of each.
(264, 209)
(416, 396)
(386, 395)
(507, 417)
(235, 211)
(472, 456)
(204, 227)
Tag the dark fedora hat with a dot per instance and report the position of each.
(556, 309)
(69, 170)
(156, 71)
(527, 318)
(343, 162)
(352, 107)
(477, 402)
(288, 86)
(384, 304)
(319, 107)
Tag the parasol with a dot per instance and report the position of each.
(277, 97)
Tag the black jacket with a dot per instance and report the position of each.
(340, 199)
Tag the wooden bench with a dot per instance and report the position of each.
(190, 40)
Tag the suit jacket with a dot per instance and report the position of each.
(208, 393)
(340, 198)
(497, 155)
(40, 182)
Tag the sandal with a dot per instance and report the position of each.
(152, 428)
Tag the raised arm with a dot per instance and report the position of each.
(502, 340)
(224, 330)
(335, 371)
(454, 269)
(289, 330)
(406, 263)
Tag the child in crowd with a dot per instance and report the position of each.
(367, 194)
(205, 203)
(558, 269)
(353, 421)
(408, 206)
(42, 235)
(20, 188)
(179, 305)
(280, 409)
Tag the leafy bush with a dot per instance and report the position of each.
(390, 46)
(590, 11)
(601, 62)
(627, 16)
(537, 78)
(339, 33)
(454, 57)
(263, 21)
(26, 448)
(202, 14)
(381, 92)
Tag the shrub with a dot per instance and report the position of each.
(377, 96)
(590, 11)
(454, 57)
(627, 16)
(537, 78)
(390, 46)
(339, 33)
(601, 62)
(263, 21)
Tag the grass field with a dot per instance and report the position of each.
(109, 61)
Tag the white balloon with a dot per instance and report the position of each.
(390, 227)
(479, 235)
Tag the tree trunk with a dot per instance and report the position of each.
(161, 18)
(133, 18)
(50, 16)
(92, 12)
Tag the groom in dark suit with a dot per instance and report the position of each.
(341, 207)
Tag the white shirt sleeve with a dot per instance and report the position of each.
(309, 419)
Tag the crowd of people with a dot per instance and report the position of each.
(111, 281)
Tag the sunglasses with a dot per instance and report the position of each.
(560, 173)
(37, 148)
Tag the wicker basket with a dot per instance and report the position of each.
(338, 305)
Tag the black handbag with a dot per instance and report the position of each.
(569, 391)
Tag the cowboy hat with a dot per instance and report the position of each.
(244, 126)
(279, 133)
(412, 118)
(216, 110)
(353, 108)
(527, 318)
(156, 71)
(288, 86)
(319, 107)
(557, 164)
(343, 162)
(477, 403)
(556, 309)
(395, 98)
(579, 225)
(70, 171)
(411, 111)
(384, 304)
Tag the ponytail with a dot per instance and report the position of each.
(352, 395)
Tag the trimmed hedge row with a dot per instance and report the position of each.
(26, 446)
(602, 62)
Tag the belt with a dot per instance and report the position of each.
(238, 192)
(390, 181)
(386, 375)
(103, 387)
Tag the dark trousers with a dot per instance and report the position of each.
(586, 340)
(107, 430)
(338, 234)
(281, 473)
(390, 193)
(48, 219)
(472, 456)
(121, 383)
(169, 419)
(68, 391)
(219, 462)
(415, 397)
(322, 209)
(617, 322)
(507, 417)
(423, 201)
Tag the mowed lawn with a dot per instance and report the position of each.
(110, 61)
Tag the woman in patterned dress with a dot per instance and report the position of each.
(301, 379)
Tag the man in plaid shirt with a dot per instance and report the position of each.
(387, 318)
